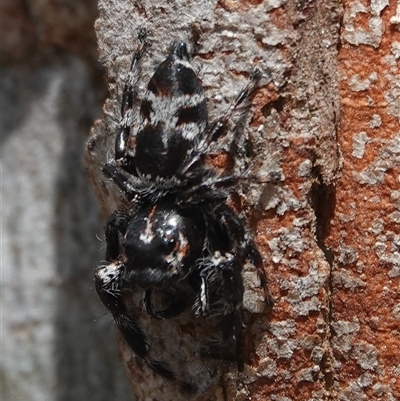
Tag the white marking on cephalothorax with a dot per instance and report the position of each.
(176, 257)
(183, 244)
(147, 235)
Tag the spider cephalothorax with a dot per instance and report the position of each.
(180, 240)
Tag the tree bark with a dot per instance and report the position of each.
(364, 231)
(324, 119)
(293, 125)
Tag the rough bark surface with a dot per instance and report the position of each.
(292, 125)
(364, 234)
(326, 118)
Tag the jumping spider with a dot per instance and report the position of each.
(180, 242)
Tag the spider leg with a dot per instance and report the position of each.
(244, 244)
(129, 100)
(115, 227)
(109, 287)
(176, 304)
(225, 235)
(214, 187)
(221, 290)
(123, 182)
(215, 299)
(220, 126)
(108, 279)
(221, 295)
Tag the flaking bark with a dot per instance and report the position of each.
(291, 126)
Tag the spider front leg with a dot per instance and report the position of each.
(221, 289)
(115, 228)
(221, 295)
(109, 284)
(129, 100)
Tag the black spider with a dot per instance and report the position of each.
(181, 243)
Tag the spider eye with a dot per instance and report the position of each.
(171, 243)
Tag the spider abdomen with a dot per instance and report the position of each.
(174, 116)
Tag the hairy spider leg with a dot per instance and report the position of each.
(246, 247)
(237, 246)
(226, 268)
(220, 126)
(109, 286)
(116, 226)
(221, 290)
(245, 243)
(214, 187)
(177, 302)
(121, 181)
(129, 100)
